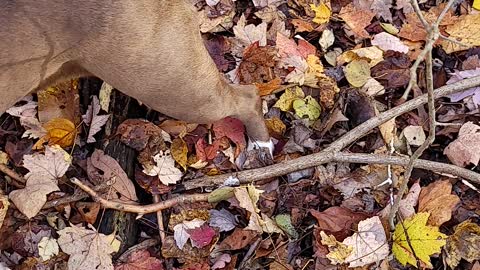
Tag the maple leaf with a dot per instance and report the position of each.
(140, 259)
(44, 170)
(28, 118)
(425, 240)
(201, 236)
(92, 119)
(369, 244)
(88, 249)
(248, 34)
(165, 169)
(382, 9)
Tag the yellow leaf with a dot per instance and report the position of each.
(357, 72)
(286, 100)
(465, 31)
(179, 152)
(425, 240)
(373, 55)
(476, 4)
(338, 251)
(308, 107)
(322, 13)
(389, 28)
(275, 126)
(60, 131)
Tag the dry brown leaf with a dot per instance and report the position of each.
(464, 243)
(93, 120)
(437, 200)
(102, 168)
(265, 89)
(356, 19)
(45, 170)
(88, 249)
(179, 152)
(465, 31)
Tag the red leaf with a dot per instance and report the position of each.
(201, 236)
(231, 128)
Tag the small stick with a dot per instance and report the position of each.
(140, 209)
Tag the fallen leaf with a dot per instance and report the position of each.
(201, 236)
(466, 148)
(265, 89)
(239, 239)
(276, 128)
(60, 131)
(102, 168)
(257, 64)
(382, 9)
(44, 172)
(387, 42)
(373, 88)
(466, 31)
(357, 72)
(179, 152)
(322, 13)
(165, 169)
(414, 135)
(285, 102)
(233, 129)
(93, 120)
(221, 261)
(464, 243)
(248, 199)
(425, 240)
(285, 223)
(180, 231)
(307, 107)
(436, 199)
(302, 26)
(326, 40)
(356, 19)
(47, 248)
(288, 48)
(222, 219)
(248, 34)
(4, 203)
(394, 71)
(337, 220)
(88, 249)
(373, 55)
(338, 251)
(474, 91)
(369, 244)
(140, 259)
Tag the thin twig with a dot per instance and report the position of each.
(161, 227)
(140, 209)
(12, 174)
(433, 34)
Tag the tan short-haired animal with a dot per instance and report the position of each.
(150, 50)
